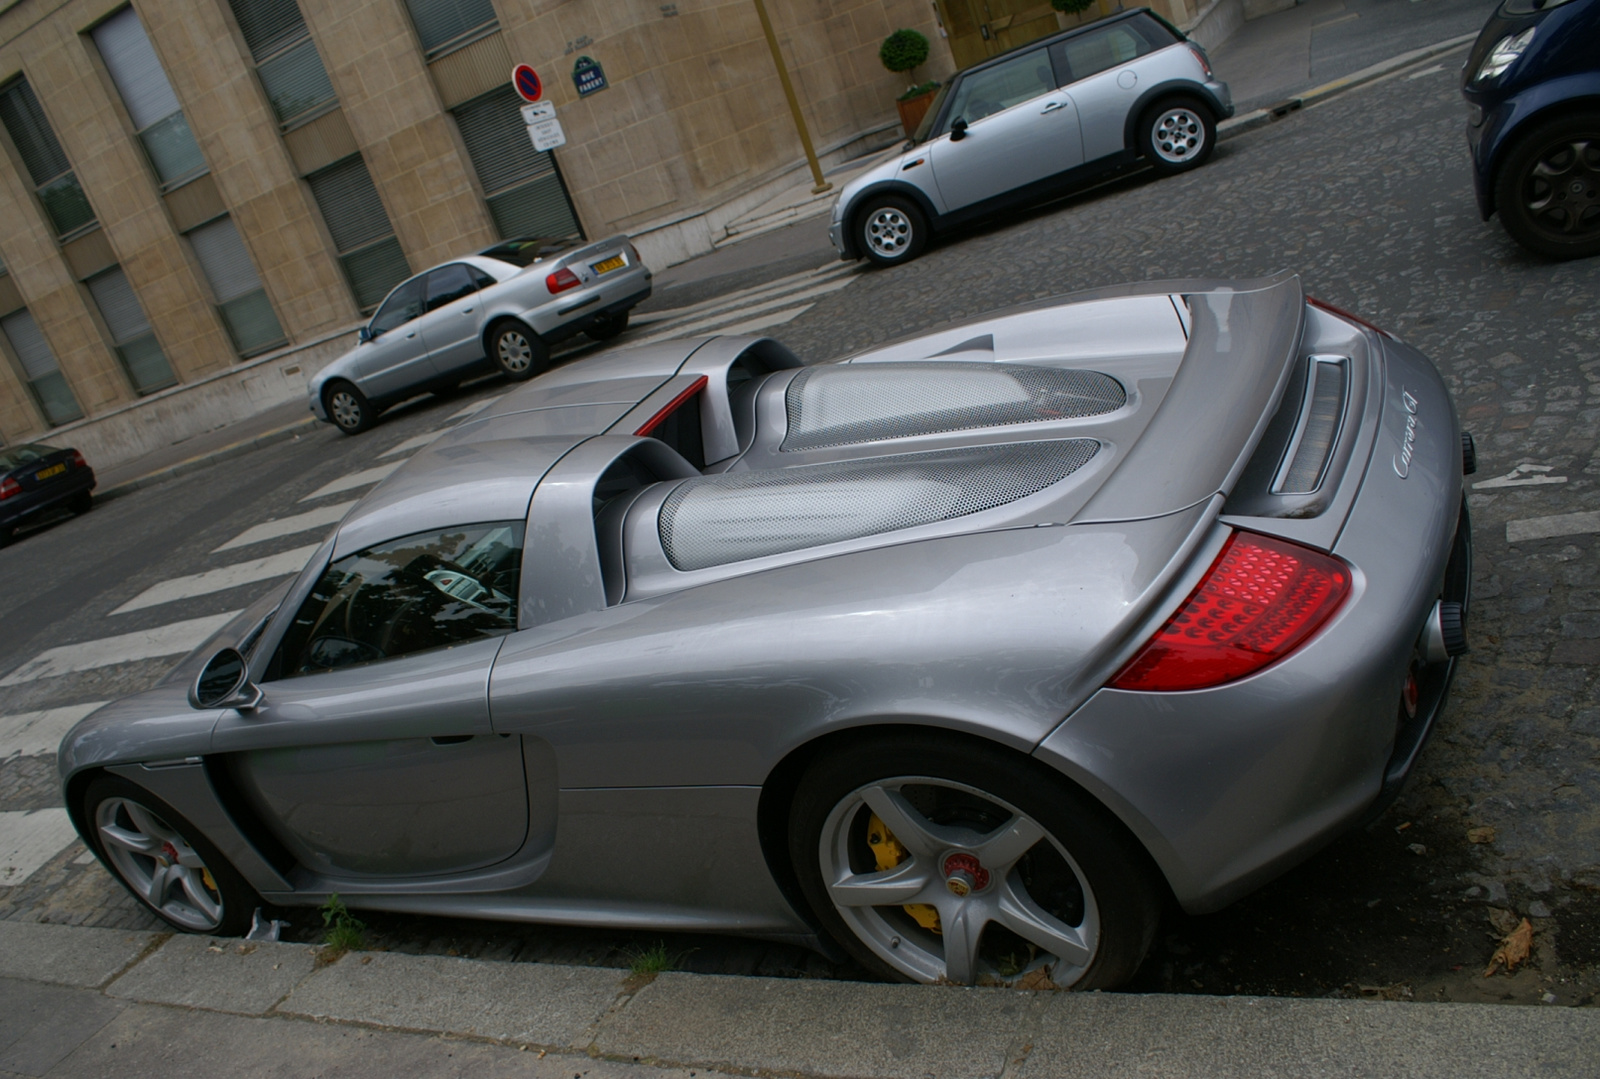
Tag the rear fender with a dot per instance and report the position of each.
(1170, 88)
(886, 187)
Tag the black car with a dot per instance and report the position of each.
(1532, 84)
(35, 478)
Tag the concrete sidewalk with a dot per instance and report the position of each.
(92, 1002)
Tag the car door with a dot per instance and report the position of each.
(1020, 128)
(452, 316)
(396, 358)
(1101, 72)
(371, 754)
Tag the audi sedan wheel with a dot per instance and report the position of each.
(348, 408)
(925, 872)
(1548, 192)
(517, 351)
(1178, 135)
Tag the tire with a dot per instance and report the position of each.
(348, 407)
(445, 390)
(1548, 188)
(178, 875)
(7, 534)
(891, 230)
(517, 351)
(608, 327)
(1177, 134)
(1095, 898)
(82, 502)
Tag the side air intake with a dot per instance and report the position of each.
(736, 516)
(839, 405)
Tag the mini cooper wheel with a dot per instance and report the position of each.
(164, 861)
(891, 230)
(1548, 190)
(922, 871)
(608, 326)
(517, 351)
(348, 407)
(1177, 134)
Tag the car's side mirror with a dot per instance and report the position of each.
(224, 682)
(958, 131)
(365, 334)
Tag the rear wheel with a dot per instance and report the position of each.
(164, 860)
(924, 871)
(348, 407)
(82, 502)
(517, 351)
(608, 326)
(1548, 190)
(891, 230)
(1177, 134)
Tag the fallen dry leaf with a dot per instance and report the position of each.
(1514, 948)
(1480, 835)
(1035, 979)
(1503, 920)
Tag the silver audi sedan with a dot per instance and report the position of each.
(968, 652)
(500, 309)
(1034, 123)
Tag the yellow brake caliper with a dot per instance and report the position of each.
(889, 853)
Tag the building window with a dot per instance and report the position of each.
(286, 58)
(371, 256)
(45, 161)
(241, 301)
(40, 369)
(149, 99)
(521, 185)
(442, 24)
(134, 342)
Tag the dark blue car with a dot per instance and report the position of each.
(1532, 84)
(36, 478)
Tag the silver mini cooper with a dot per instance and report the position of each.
(1034, 123)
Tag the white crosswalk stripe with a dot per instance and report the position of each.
(737, 309)
(365, 478)
(224, 577)
(321, 517)
(410, 445)
(172, 639)
(30, 839)
(37, 734)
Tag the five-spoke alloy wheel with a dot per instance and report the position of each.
(923, 872)
(348, 407)
(1177, 134)
(517, 351)
(891, 230)
(1548, 190)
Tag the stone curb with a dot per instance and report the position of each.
(1261, 117)
(795, 1027)
(205, 460)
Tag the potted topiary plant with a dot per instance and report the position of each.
(1072, 7)
(902, 51)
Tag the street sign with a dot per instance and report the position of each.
(539, 110)
(588, 76)
(526, 80)
(547, 134)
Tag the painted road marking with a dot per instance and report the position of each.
(37, 734)
(740, 316)
(224, 577)
(365, 478)
(1521, 476)
(30, 839)
(173, 639)
(415, 442)
(777, 318)
(1563, 524)
(782, 285)
(476, 406)
(1436, 68)
(320, 517)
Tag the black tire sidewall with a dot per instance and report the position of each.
(1512, 174)
(368, 414)
(914, 215)
(239, 900)
(609, 327)
(1126, 889)
(1147, 124)
(536, 362)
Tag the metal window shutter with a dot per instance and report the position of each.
(438, 21)
(118, 305)
(268, 25)
(497, 141)
(29, 344)
(135, 69)
(350, 204)
(224, 259)
(295, 81)
(30, 131)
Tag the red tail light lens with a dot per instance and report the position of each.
(1260, 600)
(1342, 313)
(78, 461)
(1200, 55)
(561, 280)
(9, 487)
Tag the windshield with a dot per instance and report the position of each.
(925, 128)
(527, 250)
(17, 456)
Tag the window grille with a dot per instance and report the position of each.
(286, 59)
(47, 165)
(521, 185)
(134, 342)
(40, 369)
(149, 99)
(371, 256)
(442, 23)
(246, 311)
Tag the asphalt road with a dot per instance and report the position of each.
(1368, 197)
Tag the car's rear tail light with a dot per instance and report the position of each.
(561, 280)
(9, 487)
(1261, 599)
(78, 461)
(1342, 313)
(1200, 55)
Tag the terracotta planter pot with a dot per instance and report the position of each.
(914, 109)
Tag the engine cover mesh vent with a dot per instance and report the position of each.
(739, 515)
(839, 405)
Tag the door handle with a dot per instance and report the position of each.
(1052, 107)
(410, 335)
(466, 310)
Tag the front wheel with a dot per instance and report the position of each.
(1177, 135)
(164, 860)
(891, 230)
(924, 871)
(1548, 190)
(517, 351)
(348, 407)
(605, 327)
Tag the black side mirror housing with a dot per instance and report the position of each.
(958, 131)
(224, 682)
(365, 334)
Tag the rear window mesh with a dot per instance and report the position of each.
(843, 405)
(736, 516)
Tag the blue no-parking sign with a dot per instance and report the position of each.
(526, 81)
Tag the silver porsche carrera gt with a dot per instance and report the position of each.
(967, 652)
